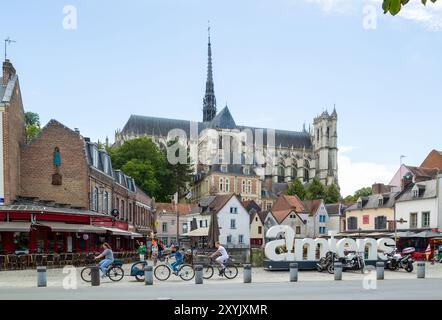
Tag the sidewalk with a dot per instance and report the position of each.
(28, 278)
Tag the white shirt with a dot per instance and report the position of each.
(223, 252)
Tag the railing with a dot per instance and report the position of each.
(56, 260)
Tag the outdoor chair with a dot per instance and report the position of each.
(12, 261)
(50, 260)
(82, 259)
(75, 259)
(2, 262)
(39, 260)
(68, 259)
(23, 261)
(62, 259)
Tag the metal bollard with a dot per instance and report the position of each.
(148, 275)
(337, 266)
(420, 269)
(199, 274)
(41, 277)
(293, 272)
(247, 273)
(95, 276)
(380, 267)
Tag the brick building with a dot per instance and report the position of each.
(60, 192)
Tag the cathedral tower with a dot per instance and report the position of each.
(209, 101)
(325, 147)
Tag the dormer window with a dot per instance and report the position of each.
(380, 202)
(224, 168)
(415, 191)
(359, 203)
(246, 170)
(95, 156)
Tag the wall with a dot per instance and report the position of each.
(13, 140)
(404, 208)
(242, 224)
(296, 222)
(37, 167)
(372, 213)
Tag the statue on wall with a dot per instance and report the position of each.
(56, 177)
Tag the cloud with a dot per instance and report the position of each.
(429, 16)
(355, 175)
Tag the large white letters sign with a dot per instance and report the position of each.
(294, 247)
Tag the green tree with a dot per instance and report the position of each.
(394, 6)
(296, 188)
(315, 190)
(332, 194)
(363, 192)
(147, 164)
(32, 125)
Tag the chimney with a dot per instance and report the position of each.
(379, 188)
(77, 130)
(407, 180)
(8, 71)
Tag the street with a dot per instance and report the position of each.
(412, 289)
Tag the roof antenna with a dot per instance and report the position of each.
(8, 41)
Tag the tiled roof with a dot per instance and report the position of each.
(433, 160)
(422, 173)
(372, 202)
(182, 208)
(427, 189)
(312, 206)
(286, 204)
(143, 125)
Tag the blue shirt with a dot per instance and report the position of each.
(178, 255)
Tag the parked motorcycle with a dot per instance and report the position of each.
(397, 260)
(326, 263)
(351, 261)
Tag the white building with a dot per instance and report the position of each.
(318, 219)
(420, 206)
(233, 219)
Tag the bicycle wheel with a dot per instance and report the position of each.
(207, 272)
(162, 272)
(86, 274)
(186, 272)
(115, 273)
(231, 272)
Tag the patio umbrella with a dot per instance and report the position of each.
(213, 235)
(427, 234)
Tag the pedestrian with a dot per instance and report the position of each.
(155, 253)
(160, 249)
(142, 251)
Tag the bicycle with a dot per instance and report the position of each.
(230, 270)
(162, 271)
(114, 271)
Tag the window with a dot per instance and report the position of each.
(352, 223)
(95, 156)
(246, 171)
(229, 239)
(233, 210)
(105, 202)
(298, 230)
(321, 230)
(249, 186)
(425, 219)
(164, 227)
(269, 206)
(232, 224)
(94, 199)
(224, 168)
(205, 223)
(259, 230)
(380, 202)
(221, 184)
(321, 218)
(241, 238)
(123, 209)
(359, 203)
(185, 228)
(106, 164)
(243, 186)
(413, 220)
(172, 222)
(201, 223)
(380, 223)
(227, 185)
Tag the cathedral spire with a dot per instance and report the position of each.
(209, 101)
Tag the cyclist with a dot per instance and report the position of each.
(178, 259)
(222, 255)
(108, 259)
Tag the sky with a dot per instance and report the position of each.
(277, 64)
